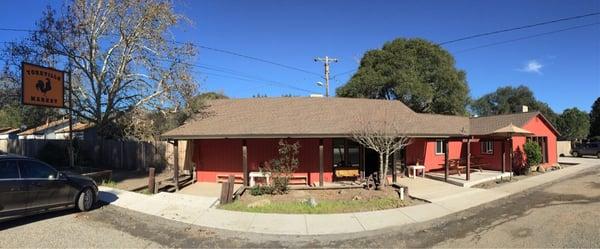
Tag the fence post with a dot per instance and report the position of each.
(151, 181)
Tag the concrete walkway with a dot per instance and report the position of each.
(200, 211)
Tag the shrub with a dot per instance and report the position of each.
(261, 190)
(283, 166)
(533, 151)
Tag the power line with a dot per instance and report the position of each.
(208, 48)
(527, 37)
(518, 28)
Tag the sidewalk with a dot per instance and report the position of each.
(200, 211)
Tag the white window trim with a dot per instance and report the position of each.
(436, 147)
(484, 147)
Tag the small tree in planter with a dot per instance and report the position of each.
(383, 137)
(283, 167)
(533, 151)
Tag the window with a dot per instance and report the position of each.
(9, 170)
(487, 147)
(338, 153)
(31, 169)
(439, 147)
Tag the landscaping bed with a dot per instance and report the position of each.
(321, 201)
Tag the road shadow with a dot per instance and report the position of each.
(106, 197)
(27, 219)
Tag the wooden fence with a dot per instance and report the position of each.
(104, 154)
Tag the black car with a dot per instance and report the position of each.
(29, 186)
(587, 149)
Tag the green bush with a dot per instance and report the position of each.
(261, 190)
(533, 151)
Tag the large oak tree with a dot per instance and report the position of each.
(510, 99)
(417, 72)
(573, 124)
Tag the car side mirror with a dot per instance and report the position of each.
(62, 176)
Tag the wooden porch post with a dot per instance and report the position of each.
(245, 162)
(468, 158)
(511, 152)
(321, 162)
(446, 163)
(176, 164)
(503, 155)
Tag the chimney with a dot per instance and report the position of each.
(525, 108)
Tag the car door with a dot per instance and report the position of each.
(45, 189)
(13, 192)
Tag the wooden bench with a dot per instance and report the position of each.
(223, 178)
(298, 180)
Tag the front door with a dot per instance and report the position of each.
(13, 193)
(44, 187)
(371, 162)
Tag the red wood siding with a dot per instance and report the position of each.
(540, 128)
(423, 150)
(224, 156)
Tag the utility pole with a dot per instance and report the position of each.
(326, 61)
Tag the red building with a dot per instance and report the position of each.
(235, 136)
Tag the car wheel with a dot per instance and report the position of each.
(575, 154)
(85, 200)
(598, 155)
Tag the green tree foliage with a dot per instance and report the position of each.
(533, 151)
(510, 99)
(415, 71)
(595, 119)
(12, 112)
(573, 124)
(212, 95)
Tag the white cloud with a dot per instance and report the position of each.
(532, 66)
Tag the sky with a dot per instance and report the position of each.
(562, 68)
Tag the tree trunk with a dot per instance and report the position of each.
(381, 169)
(385, 169)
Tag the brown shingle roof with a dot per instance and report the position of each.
(76, 127)
(488, 124)
(330, 117)
(43, 127)
(306, 117)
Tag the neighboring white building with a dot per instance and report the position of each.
(9, 133)
(81, 131)
(45, 131)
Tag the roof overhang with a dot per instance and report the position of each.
(256, 136)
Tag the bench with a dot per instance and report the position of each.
(223, 178)
(298, 180)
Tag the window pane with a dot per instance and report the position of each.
(32, 169)
(354, 156)
(439, 147)
(338, 152)
(9, 170)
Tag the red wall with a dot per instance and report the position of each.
(492, 161)
(224, 156)
(423, 150)
(540, 128)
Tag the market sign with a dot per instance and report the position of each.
(42, 86)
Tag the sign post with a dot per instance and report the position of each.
(45, 86)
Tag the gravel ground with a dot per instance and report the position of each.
(560, 214)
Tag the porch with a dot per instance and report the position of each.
(476, 177)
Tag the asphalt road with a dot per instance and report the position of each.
(565, 213)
